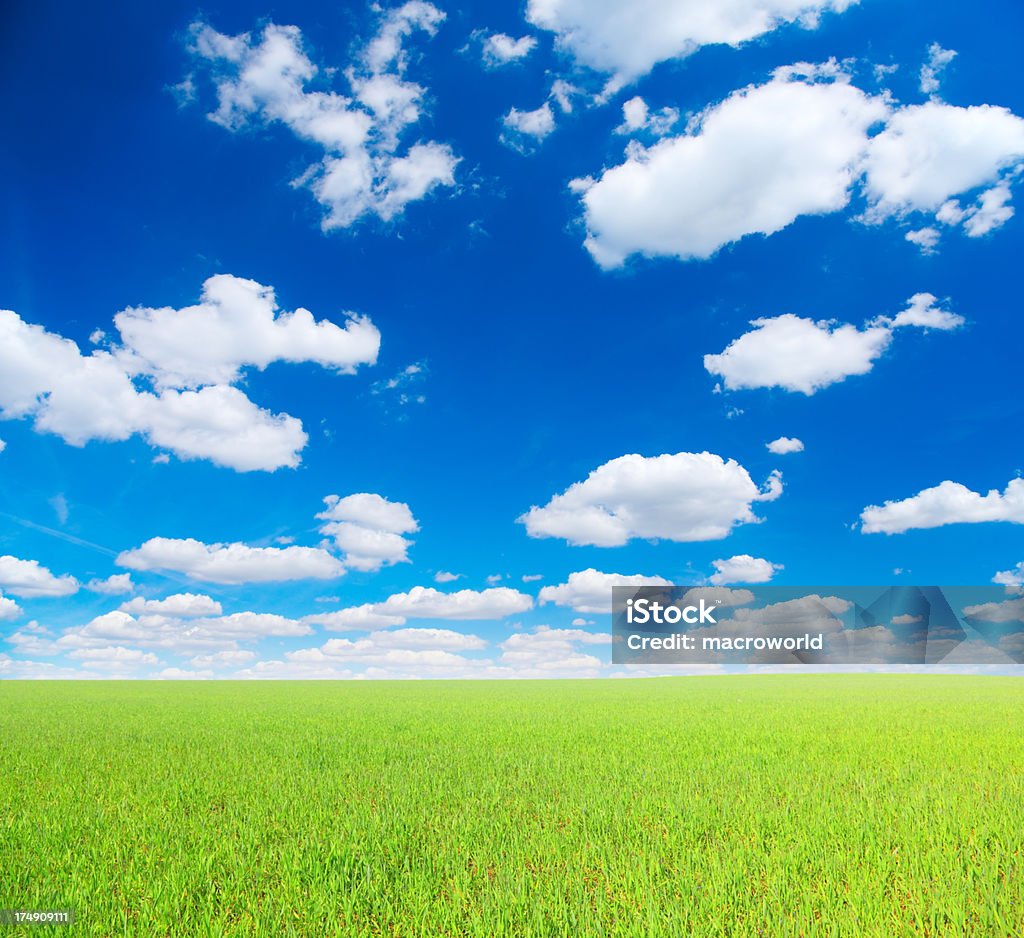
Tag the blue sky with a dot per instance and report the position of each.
(548, 261)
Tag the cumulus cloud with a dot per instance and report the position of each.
(1010, 611)
(113, 585)
(365, 169)
(929, 153)
(189, 357)
(425, 602)
(590, 591)
(368, 529)
(501, 49)
(232, 563)
(547, 649)
(938, 59)
(443, 576)
(804, 355)
(785, 444)
(181, 605)
(946, 503)
(674, 497)
(1012, 579)
(628, 40)
(363, 618)
(237, 324)
(743, 569)
(28, 579)
(175, 634)
(802, 144)
(9, 609)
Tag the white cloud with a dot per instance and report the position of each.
(1012, 579)
(180, 605)
(627, 40)
(28, 579)
(675, 497)
(364, 169)
(368, 529)
(355, 619)
(719, 595)
(113, 585)
(938, 59)
(115, 657)
(424, 602)
(784, 445)
(926, 239)
(201, 635)
(929, 153)
(803, 355)
(9, 609)
(95, 397)
(501, 49)
(751, 164)
(590, 591)
(637, 117)
(1010, 611)
(224, 659)
(923, 312)
(3, 446)
(443, 576)
(946, 503)
(535, 124)
(232, 563)
(182, 674)
(743, 569)
(547, 649)
(237, 324)
(802, 144)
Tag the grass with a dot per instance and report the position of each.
(833, 805)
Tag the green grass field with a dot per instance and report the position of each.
(846, 805)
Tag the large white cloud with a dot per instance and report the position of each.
(591, 591)
(802, 144)
(946, 503)
(675, 497)
(364, 170)
(743, 568)
(804, 355)
(369, 529)
(236, 324)
(182, 354)
(28, 579)
(628, 39)
(931, 152)
(232, 563)
(752, 164)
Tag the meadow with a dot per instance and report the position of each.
(773, 805)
